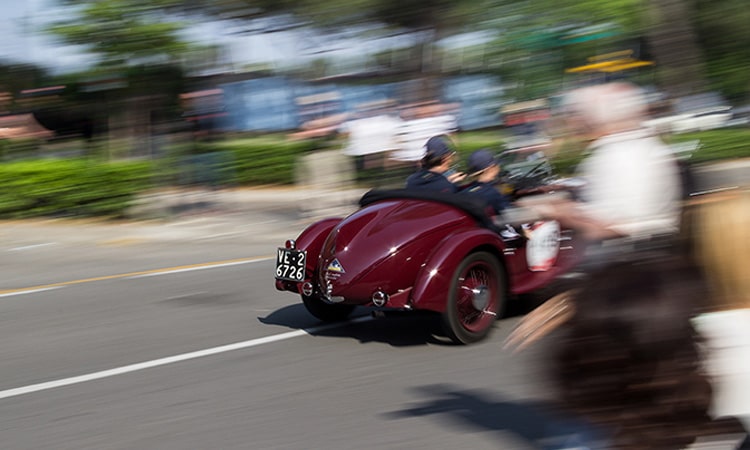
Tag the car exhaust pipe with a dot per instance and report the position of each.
(307, 289)
(379, 298)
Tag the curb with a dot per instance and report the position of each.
(306, 202)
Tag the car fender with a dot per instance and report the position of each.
(433, 280)
(312, 240)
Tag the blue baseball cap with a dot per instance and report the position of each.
(437, 147)
(480, 160)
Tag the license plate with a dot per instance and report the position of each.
(290, 264)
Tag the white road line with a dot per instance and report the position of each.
(190, 269)
(153, 272)
(30, 291)
(30, 247)
(172, 359)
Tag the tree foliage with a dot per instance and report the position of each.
(696, 44)
(692, 40)
(408, 15)
(15, 77)
(725, 39)
(124, 32)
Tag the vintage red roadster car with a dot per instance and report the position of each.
(410, 250)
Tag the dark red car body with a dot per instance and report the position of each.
(420, 251)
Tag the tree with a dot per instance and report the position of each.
(139, 49)
(124, 32)
(674, 43)
(16, 77)
(723, 36)
(694, 43)
(538, 40)
(423, 22)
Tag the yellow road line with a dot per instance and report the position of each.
(133, 274)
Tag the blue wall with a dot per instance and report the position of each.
(269, 104)
(480, 98)
(263, 104)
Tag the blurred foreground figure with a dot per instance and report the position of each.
(719, 226)
(628, 363)
(632, 183)
(629, 359)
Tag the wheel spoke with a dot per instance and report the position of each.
(475, 298)
(477, 277)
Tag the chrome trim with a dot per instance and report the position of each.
(480, 297)
(379, 298)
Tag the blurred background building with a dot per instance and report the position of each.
(137, 80)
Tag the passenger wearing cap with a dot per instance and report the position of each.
(435, 166)
(484, 168)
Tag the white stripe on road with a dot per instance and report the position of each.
(190, 269)
(29, 291)
(30, 247)
(172, 359)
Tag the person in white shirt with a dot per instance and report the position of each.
(632, 182)
(371, 133)
(418, 126)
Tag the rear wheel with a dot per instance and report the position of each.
(326, 312)
(475, 297)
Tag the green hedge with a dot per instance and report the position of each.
(70, 187)
(243, 161)
(728, 143)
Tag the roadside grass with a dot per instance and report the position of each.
(718, 145)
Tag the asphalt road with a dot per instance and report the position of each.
(127, 346)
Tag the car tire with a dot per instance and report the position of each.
(477, 294)
(326, 312)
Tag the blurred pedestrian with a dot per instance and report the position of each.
(685, 328)
(627, 360)
(632, 185)
(420, 122)
(371, 134)
(436, 173)
(484, 168)
(719, 229)
(631, 198)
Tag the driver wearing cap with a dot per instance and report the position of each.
(435, 172)
(484, 167)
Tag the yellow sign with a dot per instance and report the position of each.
(611, 62)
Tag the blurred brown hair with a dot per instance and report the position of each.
(628, 361)
(718, 234)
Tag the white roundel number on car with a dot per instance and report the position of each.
(543, 245)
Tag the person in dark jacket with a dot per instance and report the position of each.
(435, 173)
(483, 165)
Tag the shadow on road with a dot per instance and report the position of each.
(396, 329)
(533, 423)
(399, 328)
(292, 316)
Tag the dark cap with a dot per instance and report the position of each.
(437, 147)
(480, 160)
